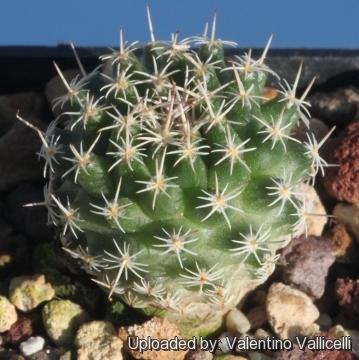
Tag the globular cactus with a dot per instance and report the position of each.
(175, 182)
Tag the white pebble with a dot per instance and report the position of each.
(292, 307)
(32, 345)
(237, 322)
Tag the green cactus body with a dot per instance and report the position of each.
(175, 183)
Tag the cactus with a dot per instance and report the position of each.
(174, 182)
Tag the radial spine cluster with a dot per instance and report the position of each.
(175, 180)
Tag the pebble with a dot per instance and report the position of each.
(295, 354)
(53, 353)
(333, 354)
(27, 325)
(62, 319)
(98, 340)
(32, 345)
(342, 181)
(324, 321)
(224, 339)
(237, 322)
(257, 317)
(199, 355)
(315, 223)
(269, 93)
(8, 315)
(348, 215)
(338, 332)
(262, 334)
(308, 261)
(310, 331)
(347, 295)
(27, 292)
(289, 310)
(158, 329)
(254, 355)
(343, 244)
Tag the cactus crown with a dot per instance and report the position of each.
(175, 180)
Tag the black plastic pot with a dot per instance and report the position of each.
(29, 68)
